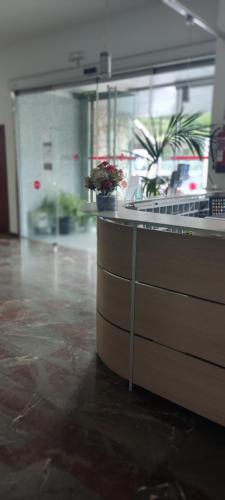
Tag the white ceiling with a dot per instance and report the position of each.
(25, 19)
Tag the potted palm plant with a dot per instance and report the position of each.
(181, 131)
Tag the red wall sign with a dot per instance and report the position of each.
(37, 185)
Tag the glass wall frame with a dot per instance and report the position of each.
(118, 107)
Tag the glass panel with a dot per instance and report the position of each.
(63, 134)
(113, 135)
(154, 108)
(37, 153)
(54, 140)
(123, 120)
(200, 100)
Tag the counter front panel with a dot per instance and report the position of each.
(114, 247)
(191, 265)
(189, 382)
(162, 326)
(113, 347)
(190, 325)
(114, 299)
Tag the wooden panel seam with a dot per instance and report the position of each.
(112, 274)
(179, 351)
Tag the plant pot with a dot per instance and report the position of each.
(64, 224)
(106, 203)
(39, 222)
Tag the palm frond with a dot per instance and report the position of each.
(152, 186)
(156, 135)
(146, 143)
(190, 119)
(182, 131)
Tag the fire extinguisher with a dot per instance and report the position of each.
(217, 147)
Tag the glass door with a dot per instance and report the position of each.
(53, 142)
(63, 134)
(113, 137)
(37, 143)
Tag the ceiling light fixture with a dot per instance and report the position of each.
(105, 65)
(198, 21)
(186, 88)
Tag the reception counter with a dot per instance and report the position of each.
(161, 306)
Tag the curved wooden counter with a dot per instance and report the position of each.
(172, 342)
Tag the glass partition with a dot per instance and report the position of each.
(53, 141)
(200, 100)
(37, 141)
(62, 134)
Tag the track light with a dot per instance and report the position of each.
(198, 21)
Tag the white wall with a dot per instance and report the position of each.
(142, 37)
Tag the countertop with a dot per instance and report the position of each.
(198, 226)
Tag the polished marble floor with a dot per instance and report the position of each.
(69, 428)
(77, 240)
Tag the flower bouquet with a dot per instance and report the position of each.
(104, 179)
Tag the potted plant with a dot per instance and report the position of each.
(39, 221)
(104, 179)
(43, 218)
(48, 206)
(85, 221)
(68, 205)
(181, 131)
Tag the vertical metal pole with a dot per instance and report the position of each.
(114, 124)
(92, 142)
(97, 118)
(109, 122)
(132, 304)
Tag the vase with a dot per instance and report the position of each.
(64, 224)
(106, 203)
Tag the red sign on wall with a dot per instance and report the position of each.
(37, 185)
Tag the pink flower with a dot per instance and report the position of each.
(103, 164)
(124, 183)
(104, 178)
(111, 169)
(106, 185)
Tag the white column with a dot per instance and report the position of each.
(218, 110)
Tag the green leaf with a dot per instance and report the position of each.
(146, 143)
(182, 130)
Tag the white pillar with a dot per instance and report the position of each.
(218, 110)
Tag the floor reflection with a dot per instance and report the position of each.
(69, 427)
